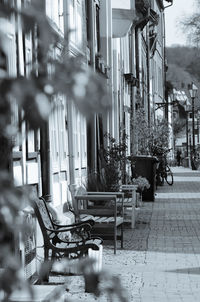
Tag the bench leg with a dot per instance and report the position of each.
(115, 239)
(133, 217)
(133, 209)
(45, 278)
(122, 236)
(46, 254)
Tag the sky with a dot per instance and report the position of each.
(173, 15)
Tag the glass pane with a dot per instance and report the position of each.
(61, 21)
(79, 25)
(72, 20)
(31, 141)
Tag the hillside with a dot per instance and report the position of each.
(184, 68)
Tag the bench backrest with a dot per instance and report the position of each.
(77, 190)
(129, 190)
(44, 218)
(128, 187)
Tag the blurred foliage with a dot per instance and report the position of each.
(34, 94)
(96, 282)
(12, 200)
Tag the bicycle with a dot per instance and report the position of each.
(163, 172)
(166, 175)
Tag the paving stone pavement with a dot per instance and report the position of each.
(161, 256)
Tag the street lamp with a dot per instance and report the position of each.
(193, 93)
(198, 119)
(186, 127)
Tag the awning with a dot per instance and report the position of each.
(122, 19)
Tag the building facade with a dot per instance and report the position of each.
(122, 42)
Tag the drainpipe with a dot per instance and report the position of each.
(164, 54)
(133, 92)
(45, 161)
(92, 122)
(148, 73)
(137, 71)
(69, 102)
(137, 54)
(45, 147)
(91, 14)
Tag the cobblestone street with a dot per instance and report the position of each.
(161, 257)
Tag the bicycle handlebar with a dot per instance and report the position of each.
(161, 150)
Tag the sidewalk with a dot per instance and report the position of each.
(161, 257)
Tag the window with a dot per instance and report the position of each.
(79, 25)
(54, 138)
(97, 30)
(60, 15)
(87, 19)
(54, 10)
(62, 132)
(79, 139)
(15, 119)
(160, 86)
(58, 134)
(31, 141)
(72, 20)
(83, 142)
(76, 22)
(28, 51)
(76, 133)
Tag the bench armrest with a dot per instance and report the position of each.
(129, 187)
(118, 194)
(95, 197)
(86, 226)
(76, 224)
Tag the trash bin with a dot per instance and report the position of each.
(145, 166)
(185, 162)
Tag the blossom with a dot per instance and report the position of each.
(141, 182)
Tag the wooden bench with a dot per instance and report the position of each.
(71, 241)
(106, 209)
(129, 202)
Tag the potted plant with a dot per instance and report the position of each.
(142, 184)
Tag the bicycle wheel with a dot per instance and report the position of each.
(169, 176)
